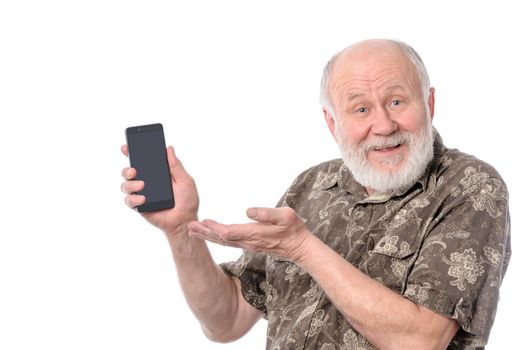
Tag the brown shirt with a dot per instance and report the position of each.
(444, 243)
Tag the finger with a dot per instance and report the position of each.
(214, 229)
(176, 167)
(196, 226)
(204, 237)
(200, 230)
(235, 232)
(129, 173)
(124, 150)
(275, 216)
(134, 200)
(130, 187)
(219, 241)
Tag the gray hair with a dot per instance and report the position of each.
(411, 54)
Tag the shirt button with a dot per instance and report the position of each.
(370, 244)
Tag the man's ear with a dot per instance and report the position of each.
(431, 102)
(329, 119)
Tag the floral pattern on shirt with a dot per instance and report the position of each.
(464, 267)
(482, 190)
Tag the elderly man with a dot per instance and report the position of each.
(401, 244)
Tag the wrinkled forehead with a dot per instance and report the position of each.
(368, 60)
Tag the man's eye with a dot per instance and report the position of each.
(396, 102)
(361, 110)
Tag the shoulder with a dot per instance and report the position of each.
(461, 177)
(328, 167)
(320, 175)
(466, 171)
(316, 178)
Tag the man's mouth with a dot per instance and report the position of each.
(385, 148)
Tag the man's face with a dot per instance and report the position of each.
(382, 124)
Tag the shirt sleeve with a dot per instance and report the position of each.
(250, 270)
(462, 261)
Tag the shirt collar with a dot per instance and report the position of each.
(346, 181)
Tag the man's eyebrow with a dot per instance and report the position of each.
(395, 87)
(353, 96)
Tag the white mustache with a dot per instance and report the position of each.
(385, 142)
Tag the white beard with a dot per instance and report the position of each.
(420, 154)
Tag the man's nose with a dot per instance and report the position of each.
(383, 123)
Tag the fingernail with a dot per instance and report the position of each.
(251, 212)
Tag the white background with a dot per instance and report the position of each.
(235, 84)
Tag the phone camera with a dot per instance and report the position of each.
(138, 129)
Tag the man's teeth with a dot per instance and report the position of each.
(385, 147)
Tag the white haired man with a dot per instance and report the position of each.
(401, 244)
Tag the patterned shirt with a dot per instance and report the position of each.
(444, 243)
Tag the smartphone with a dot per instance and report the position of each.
(147, 153)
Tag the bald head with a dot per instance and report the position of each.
(368, 54)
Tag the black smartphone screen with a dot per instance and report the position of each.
(147, 153)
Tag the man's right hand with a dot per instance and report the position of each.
(172, 221)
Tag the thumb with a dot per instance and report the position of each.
(276, 216)
(176, 167)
